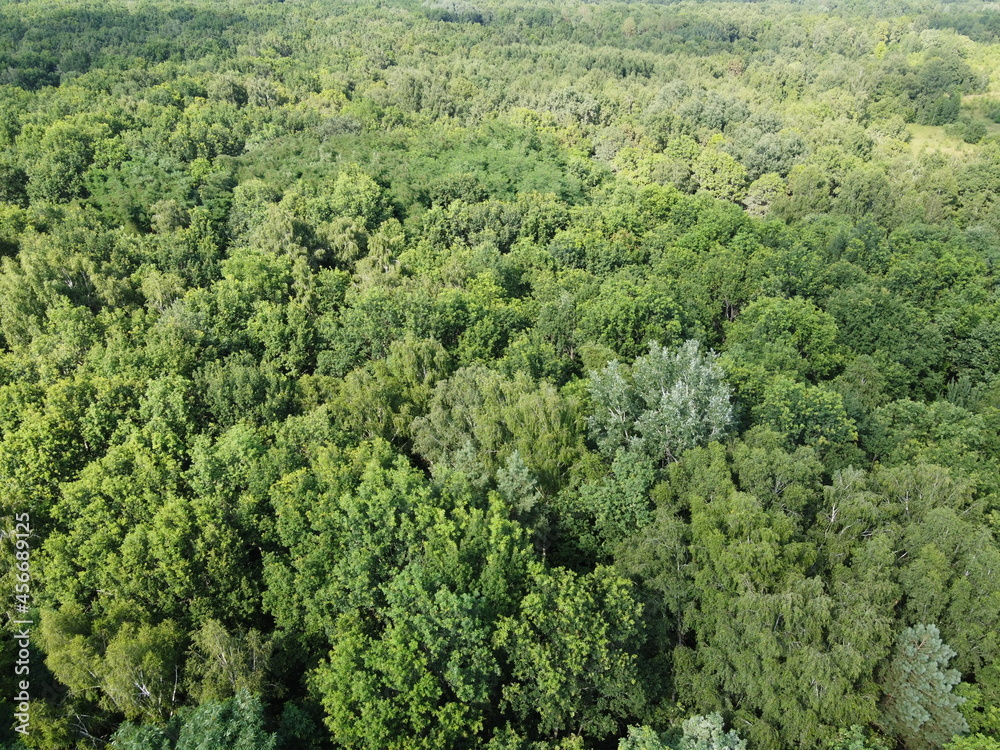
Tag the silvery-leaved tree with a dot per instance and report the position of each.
(667, 402)
(708, 733)
(699, 733)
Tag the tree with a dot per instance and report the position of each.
(974, 131)
(920, 706)
(628, 312)
(664, 404)
(807, 415)
(620, 500)
(973, 742)
(65, 153)
(856, 738)
(237, 723)
(409, 608)
(763, 193)
(141, 670)
(763, 615)
(707, 733)
(571, 648)
(697, 733)
(980, 708)
(136, 673)
(477, 418)
(790, 335)
(773, 152)
(223, 664)
(809, 192)
(720, 175)
(866, 193)
(357, 196)
(13, 184)
(642, 738)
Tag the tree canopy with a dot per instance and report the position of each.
(498, 375)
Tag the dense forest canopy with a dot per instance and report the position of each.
(503, 375)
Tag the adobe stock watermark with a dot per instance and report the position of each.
(22, 625)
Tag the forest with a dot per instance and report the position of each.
(500, 375)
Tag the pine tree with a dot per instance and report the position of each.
(920, 707)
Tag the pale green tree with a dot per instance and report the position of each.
(720, 175)
(665, 403)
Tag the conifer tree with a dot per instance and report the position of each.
(920, 707)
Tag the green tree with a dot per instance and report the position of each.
(137, 672)
(642, 738)
(866, 193)
(356, 195)
(763, 193)
(572, 652)
(237, 723)
(697, 733)
(856, 738)
(763, 617)
(477, 418)
(720, 175)
(785, 335)
(920, 706)
(973, 742)
(627, 313)
(224, 664)
(65, 152)
(808, 415)
(409, 609)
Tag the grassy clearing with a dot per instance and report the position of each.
(933, 138)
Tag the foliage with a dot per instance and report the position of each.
(920, 706)
(236, 723)
(358, 373)
(572, 652)
(662, 405)
(697, 733)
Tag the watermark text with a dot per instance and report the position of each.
(22, 625)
